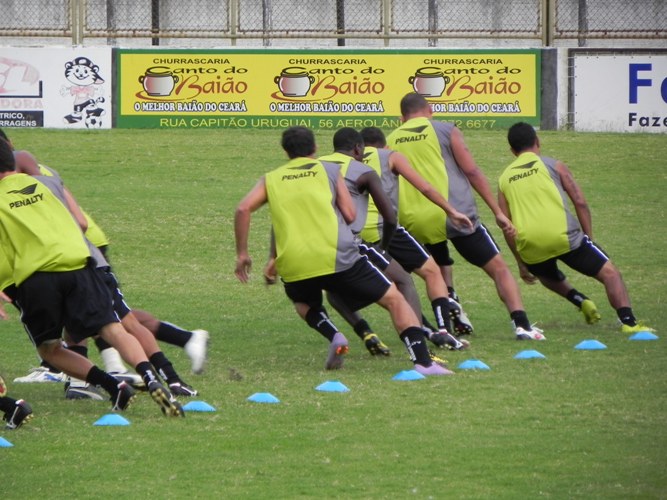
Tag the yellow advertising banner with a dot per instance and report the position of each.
(322, 89)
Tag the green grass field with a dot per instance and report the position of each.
(578, 424)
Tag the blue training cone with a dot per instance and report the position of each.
(112, 419)
(198, 406)
(473, 364)
(530, 354)
(332, 386)
(408, 375)
(4, 443)
(644, 336)
(590, 345)
(263, 397)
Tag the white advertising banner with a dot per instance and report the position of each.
(618, 93)
(55, 87)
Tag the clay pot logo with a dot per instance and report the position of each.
(429, 81)
(294, 81)
(158, 81)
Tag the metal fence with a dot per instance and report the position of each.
(337, 22)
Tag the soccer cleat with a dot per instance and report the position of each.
(590, 311)
(133, 379)
(196, 349)
(3, 387)
(167, 402)
(79, 389)
(639, 327)
(123, 397)
(437, 359)
(39, 375)
(444, 339)
(182, 389)
(337, 349)
(375, 346)
(460, 321)
(21, 414)
(434, 369)
(533, 334)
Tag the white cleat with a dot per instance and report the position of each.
(196, 349)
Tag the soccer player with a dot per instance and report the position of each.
(310, 209)
(194, 343)
(362, 180)
(390, 165)
(56, 285)
(438, 152)
(533, 192)
(16, 411)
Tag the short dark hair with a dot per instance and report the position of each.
(298, 142)
(346, 139)
(3, 135)
(412, 103)
(374, 136)
(521, 136)
(7, 161)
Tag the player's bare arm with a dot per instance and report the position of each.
(478, 180)
(400, 165)
(525, 274)
(344, 201)
(371, 182)
(577, 196)
(4, 298)
(251, 202)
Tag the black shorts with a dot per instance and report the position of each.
(119, 305)
(375, 254)
(360, 286)
(477, 248)
(406, 250)
(76, 300)
(587, 259)
(440, 253)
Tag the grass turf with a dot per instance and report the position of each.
(578, 424)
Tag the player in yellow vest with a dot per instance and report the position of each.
(310, 211)
(438, 152)
(390, 166)
(535, 192)
(194, 342)
(361, 180)
(58, 286)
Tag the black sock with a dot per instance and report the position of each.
(576, 297)
(101, 344)
(427, 324)
(164, 367)
(441, 310)
(7, 405)
(452, 294)
(97, 376)
(79, 349)
(361, 328)
(172, 334)
(626, 316)
(49, 367)
(318, 319)
(520, 319)
(147, 372)
(415, 342)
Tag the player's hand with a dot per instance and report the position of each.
(506, 225)
(243, 266)
(528, 277)
(5, 298)
(460, 220)
(270, 273)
